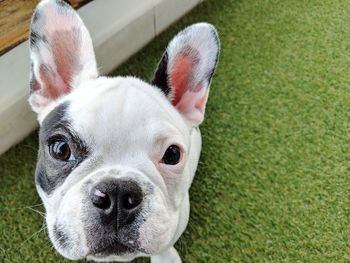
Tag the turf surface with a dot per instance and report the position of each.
(272, 184)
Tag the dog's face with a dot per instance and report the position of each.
(117, 155)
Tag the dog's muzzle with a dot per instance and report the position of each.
(112, 215)
(117, 202)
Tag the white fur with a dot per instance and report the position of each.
(128, 138)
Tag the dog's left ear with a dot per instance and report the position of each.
(186, 68)
(61, 53)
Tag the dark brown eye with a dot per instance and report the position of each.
(172, 155)
(60, 150)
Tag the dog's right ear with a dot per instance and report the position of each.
(61, 53)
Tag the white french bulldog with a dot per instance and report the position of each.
(117, 155)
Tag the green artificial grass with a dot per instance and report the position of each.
(273, 183)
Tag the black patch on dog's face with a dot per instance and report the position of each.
(34, 38)
(50, 173)
(63, 3)
(160, 78)
(35, 16)
(211, 72)
(60, 236)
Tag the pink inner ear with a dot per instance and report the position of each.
(65, 50)
(181, 77)
(57, 77)
(51, 83)
(192, 105)
(189, 97)
(200, 104)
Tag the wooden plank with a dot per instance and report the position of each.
(15, 19)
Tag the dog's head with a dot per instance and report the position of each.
(117, 155)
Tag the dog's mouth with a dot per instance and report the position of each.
(105, 246)
(121, 242)
(115, 247)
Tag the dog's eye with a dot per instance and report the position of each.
(60, 150)
(172, 155)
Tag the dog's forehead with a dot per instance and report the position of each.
(111, 109)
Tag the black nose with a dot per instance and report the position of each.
(117, 201)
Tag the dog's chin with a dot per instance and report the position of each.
(72, 250)
(117, 252)
(112, 252)
(72, 254)
(108, 255)
(108, 258)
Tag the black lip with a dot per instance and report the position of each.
(117, 249)
(113, 248)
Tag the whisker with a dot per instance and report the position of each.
(40, 204)
(34, 234)
(37, 211)
(19, 208)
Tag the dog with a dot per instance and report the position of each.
(117, 155)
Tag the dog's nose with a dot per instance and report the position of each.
(117, 201)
